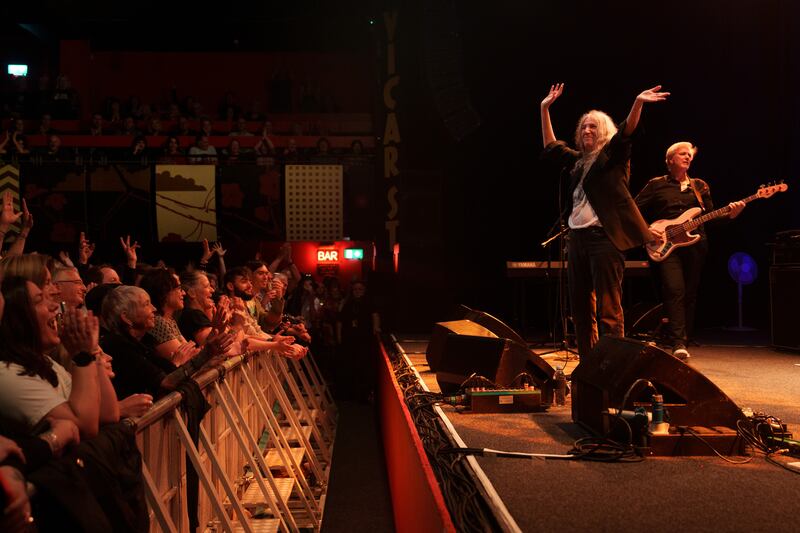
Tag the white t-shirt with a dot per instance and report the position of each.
(583, 215)
(27, 399)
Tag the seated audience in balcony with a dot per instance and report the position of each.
(114, 114)
(128, 127)
(33, 387)
(240, 130)
(173, 112)
(182, 127)
(202, 151)
(228, 105)
(128, 316)
(96, 126)
(134, 107)
(205, 127)
(54, 151)
(18, 127)
(291, 153)
(13, 143)
(64, 103)
(138, 151)
(45, 126)
(146, 112)
(172, 152)
(154, 126)
(235, 154)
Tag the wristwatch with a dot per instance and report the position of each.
(83, 359)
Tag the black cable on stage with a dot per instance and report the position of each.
(464, 502)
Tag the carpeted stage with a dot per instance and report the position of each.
(659, 493)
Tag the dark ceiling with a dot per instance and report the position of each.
(229, 26)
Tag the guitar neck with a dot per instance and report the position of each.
(721, 212)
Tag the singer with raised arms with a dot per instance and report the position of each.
(603, 218)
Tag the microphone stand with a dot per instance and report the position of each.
(560, 235)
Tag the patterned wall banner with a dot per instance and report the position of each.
(9, 181)
(186, 203)
(120, 203)
(314, 203)
(56, 197)
(249, 204)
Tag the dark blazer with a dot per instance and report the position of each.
(606, 186)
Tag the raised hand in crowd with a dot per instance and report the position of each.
(8, 215)
(130, 250)
(27, 219)
(63, 256)
(135, 405)
(218, 249)
(207, 253)
(85, 250)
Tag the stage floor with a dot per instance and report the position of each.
(659, 493)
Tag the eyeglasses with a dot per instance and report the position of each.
(70, 281)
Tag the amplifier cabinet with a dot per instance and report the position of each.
(784, 296)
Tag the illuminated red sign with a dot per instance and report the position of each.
(327, 256)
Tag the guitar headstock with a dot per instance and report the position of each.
(765, 191)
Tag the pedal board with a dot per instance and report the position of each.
(504, 400)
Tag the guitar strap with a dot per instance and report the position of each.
(697, 193)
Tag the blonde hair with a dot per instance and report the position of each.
(605, 129)
(32, 267)
(677, 146)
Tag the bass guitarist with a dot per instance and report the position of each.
(667, 197)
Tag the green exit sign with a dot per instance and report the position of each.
(354, 253)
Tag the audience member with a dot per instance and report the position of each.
(172, 152)
(241, 129)
(202, 151)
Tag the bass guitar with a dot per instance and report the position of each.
(677, 231)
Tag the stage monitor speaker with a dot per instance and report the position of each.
(495, 325)
(784, 290)
(461, 348)
(603, 378)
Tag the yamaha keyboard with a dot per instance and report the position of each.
(534, 269)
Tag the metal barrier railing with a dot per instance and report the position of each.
(263, 452)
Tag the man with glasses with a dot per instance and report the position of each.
(70, 285)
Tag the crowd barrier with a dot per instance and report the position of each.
(262, 452)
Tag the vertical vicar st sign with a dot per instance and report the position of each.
(392, 140)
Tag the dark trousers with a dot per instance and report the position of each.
(680, 278)
(595, 275)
